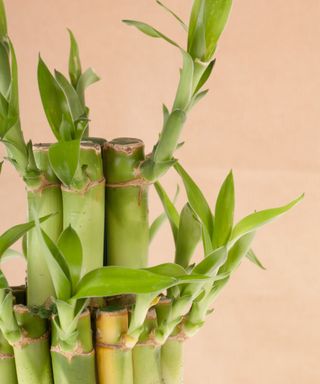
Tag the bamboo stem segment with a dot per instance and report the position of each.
(83, 206)
(32, 350)
(75, 362)
(114, 360)
(8, 373)
(127, 226)
(43, 198)
(172, 361)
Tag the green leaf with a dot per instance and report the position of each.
(208, 19)
(1, 164)
(205, 76)
(150, 31)
(182, 23)
(157, 223)
(74, 60)
(57, 266)
(14, 91)
(86, 79)
(224, 212)
(3, 281)
(75, 106)
(258, 219)
(168, 269)
(196, 98)
(13, 234)
(237, 252)
(3, 21)
(185, 90)
(70, 246)
(53, 98)
(196, 199)
(10, 254)
(113, 280)
(64, 159)
(211, 263)
(169, 208)
(189, 235)
(5, 78)
(253, 258)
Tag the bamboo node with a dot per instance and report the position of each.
(138, 182)
(69, 355)
(25, 340)
(6, 356)
(90, 184)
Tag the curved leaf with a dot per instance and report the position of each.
(258, 219)
(224, 212)
(64, 160)
(212, 262)
(168, 269)
(205, 76)
(3, 281)
(184, 92)
(70, 245)
(3, 21)
(149, 30)
(181, 22)
(253, 258)
(74, 60)
(86, 79)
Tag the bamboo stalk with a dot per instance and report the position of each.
(146, 354)
(127, 227)
(114, 359)
(7, 362)
(31, 351)
(44, 197)
(73, 360)
(172, 361)
(83, 206)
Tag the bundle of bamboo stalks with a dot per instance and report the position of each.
(92, 310)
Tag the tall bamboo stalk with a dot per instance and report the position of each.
(84, 205)
(114, 359)
(31, 351)
(73, 359)
(44, 197)
(127, 226)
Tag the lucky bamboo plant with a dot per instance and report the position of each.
(95, 312)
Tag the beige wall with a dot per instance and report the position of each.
(261, 118)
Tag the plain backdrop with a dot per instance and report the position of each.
(261, 118)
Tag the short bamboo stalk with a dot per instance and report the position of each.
(83, 206)
(74, 362)
(8, 373)
(172, 361)
(127, 226)
(44, 197)
(31, 352)
(114, 359)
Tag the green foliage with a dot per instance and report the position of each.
(75, 70)
(181, 22)
(254, 259)
(3, 21)
(207, 21)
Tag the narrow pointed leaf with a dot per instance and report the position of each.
(224, 212)
(74, 60)
(3, 281)
(260, 218)
(212, 262)
(149, 30)
(3, 21)
(196, 199)
(205, 76)
(253, 258)
(189, 235)
(5, 78)
(53, 98)
(181, 22)
(1, 164)
(169, 208)
(88, 78)
(168, 269)
(13, 234)
(109, 281)
(70, 246)
(64, 160)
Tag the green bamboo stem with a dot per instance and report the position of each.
(146, 354)
(114, 359)
(83, 206)
(31, 351)
(8, 373)
(172, 361)
(44, 197)
(74, 362)
(127, 226)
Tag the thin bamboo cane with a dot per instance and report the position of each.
(8, 373)
(74, 362)
(44, 197)
(31, 351)
(114, 359)
(172, 361)
(127, 227)
(83, 206)
(146, 354)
